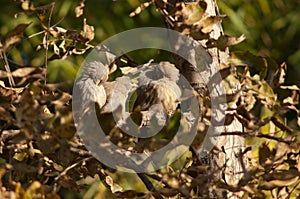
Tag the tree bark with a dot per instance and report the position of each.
(227, 154)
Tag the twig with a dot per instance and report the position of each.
(291, 191)
(43, 31)
(6, 65)
(80, 152)
(35, 34)
(71, 167)
(149, 185)
(260, 135)
(46, 39)
(155, 177)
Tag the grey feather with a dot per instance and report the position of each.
(88, 88)
(117, 94)
(158, 85)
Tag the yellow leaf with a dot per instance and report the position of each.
(20, 156)
(192, 13)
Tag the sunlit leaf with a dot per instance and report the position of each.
(79, 9)
(292, 87)
(113, 186)
(279, 75)
(192, 13)
(88, 31)
(20, 156)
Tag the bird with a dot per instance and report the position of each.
(88, 88)
(157, 92)
(117, 93)
(157, 86)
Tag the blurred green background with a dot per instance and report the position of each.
(270, 26)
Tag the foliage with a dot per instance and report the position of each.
(42, 157)
(271, 29)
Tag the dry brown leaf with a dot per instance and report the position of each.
(4, 91)
(63, 99)
(113, 186)
(283, 178)
(23, 72)
(292, 100)
(225, 41)
(79, 9)
(15, 36)
(88, 31)
(291, 87)
(279, 75)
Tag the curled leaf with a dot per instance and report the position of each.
(293, 99)
(79, 9)
(88, 31)
(279, 75)
(113, 186)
